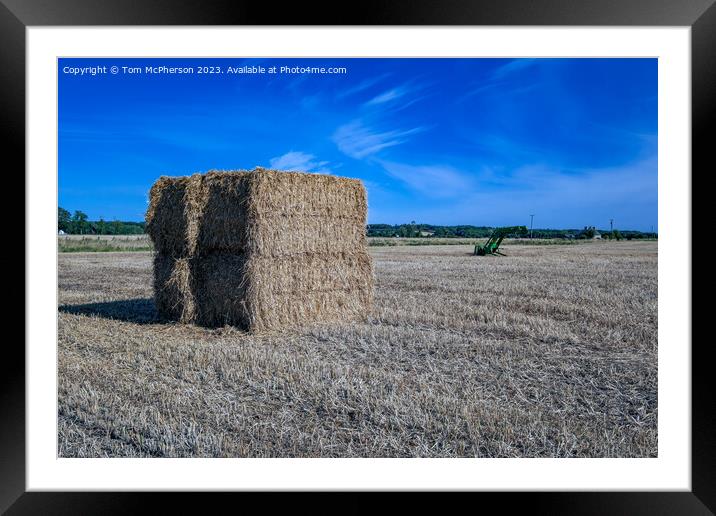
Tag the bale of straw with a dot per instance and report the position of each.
(280, 311)
(166, 220)
(263, 212)
(263, 292)
(260, 249)
(174, 288)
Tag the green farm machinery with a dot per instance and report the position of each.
(492, 246)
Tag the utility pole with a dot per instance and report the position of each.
(611, 225)
(532, 217)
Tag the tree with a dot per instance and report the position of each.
(587, 232)
(63, 220)
(616, 235)
(412, 230)
(79, 222)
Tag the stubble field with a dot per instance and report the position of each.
(548, 352)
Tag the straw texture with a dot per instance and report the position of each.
(260, 249)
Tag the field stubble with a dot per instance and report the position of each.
(142, 243)
(549, 352)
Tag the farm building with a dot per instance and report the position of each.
(260, 249)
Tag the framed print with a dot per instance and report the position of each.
(436, 248)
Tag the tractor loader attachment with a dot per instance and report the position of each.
(492, 246)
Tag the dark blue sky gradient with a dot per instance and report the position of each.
(442, 141)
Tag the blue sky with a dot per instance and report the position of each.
(441, 141)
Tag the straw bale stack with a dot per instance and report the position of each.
(260, 249)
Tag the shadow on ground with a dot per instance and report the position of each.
(139, 311)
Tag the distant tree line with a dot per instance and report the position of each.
(78, 223)
(414, 230)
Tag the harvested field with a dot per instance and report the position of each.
(548, 352)
(103, 243)
(92, 243)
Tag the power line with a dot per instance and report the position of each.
(532, 217)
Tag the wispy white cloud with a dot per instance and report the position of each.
(557, 197)
(360, 141)
(362, 86)
(563, 198)
(296, 160)
(399, 97)
(431, 180)
(388, 95)
(513, 66)
(499, 80)
(365, 137)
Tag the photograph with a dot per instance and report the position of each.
(450, 257)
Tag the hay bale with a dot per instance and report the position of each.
(260, 249)
(173, 288)
(262, 212)
(166, 220)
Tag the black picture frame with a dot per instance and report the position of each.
(700, 15)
